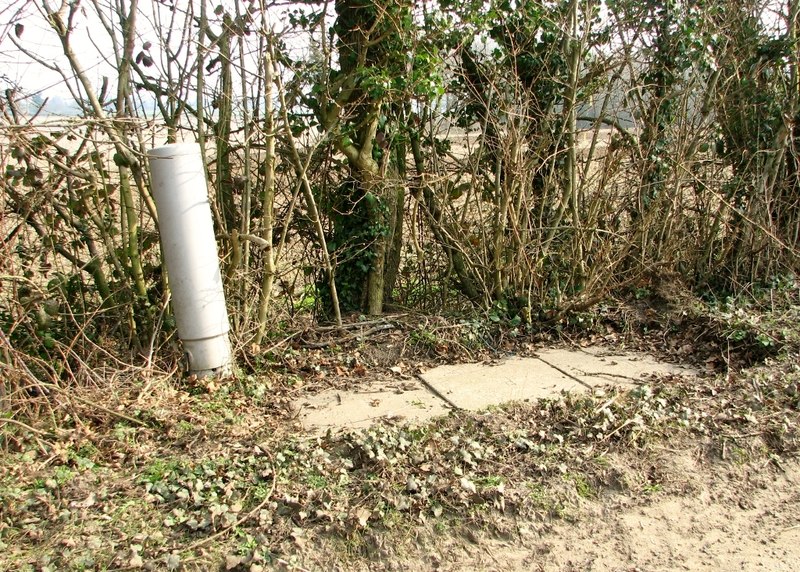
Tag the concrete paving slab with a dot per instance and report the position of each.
(404, 403)
(600, 366)
(477, 385)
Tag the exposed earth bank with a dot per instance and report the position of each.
(727, 518)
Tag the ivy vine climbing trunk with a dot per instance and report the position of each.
(358, 114)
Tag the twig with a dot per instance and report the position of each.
(128, 418)
(280, 343)
(741, 435)
(609, 374)
(27, 427)
(354, 336)
(618, 429)
(24, 426)
(788, 528)
(605, 405)
(69, 395)
(352, 325)
(152, 381)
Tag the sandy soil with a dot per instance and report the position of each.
(728, 521)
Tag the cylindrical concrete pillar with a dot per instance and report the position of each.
(190, 252)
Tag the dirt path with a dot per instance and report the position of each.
(728, 522)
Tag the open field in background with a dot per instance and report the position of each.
(73, 139)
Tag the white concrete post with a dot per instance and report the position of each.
(189, 249)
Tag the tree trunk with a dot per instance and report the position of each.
(367, 215)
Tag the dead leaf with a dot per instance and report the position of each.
(136, 561)
(362, 516)
(468, 485)
(86, 503)
(18, 29)
(298, 535)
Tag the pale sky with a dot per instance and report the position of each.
(40, 40)
(89, 40)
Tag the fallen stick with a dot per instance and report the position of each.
(369, 332)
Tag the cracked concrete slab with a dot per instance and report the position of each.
(406, 402)
(600, 366)
(478, 385)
